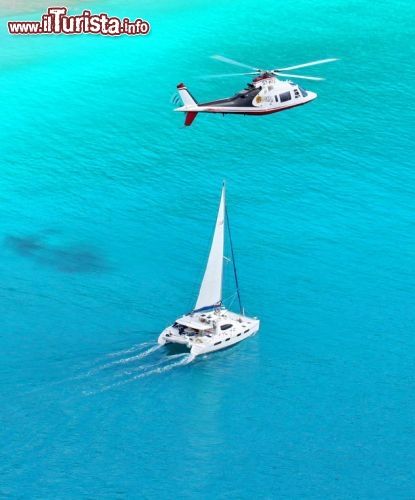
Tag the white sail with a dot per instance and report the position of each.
(210, 293)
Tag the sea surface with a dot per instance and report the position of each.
(107, 208)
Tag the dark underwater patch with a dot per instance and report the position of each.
(26, 246)
(63, 258)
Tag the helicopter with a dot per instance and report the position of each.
(264, 95)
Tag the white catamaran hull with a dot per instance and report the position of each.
(202, 333)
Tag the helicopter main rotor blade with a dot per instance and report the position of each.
(235, 63)
(229, 74)
(299, 76)
(322, 61)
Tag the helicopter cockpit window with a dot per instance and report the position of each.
(276, 97)
(303, 92)
(248, 93)
(286, 96)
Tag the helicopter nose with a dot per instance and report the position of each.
(311, 95)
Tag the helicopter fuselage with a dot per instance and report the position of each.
(266, 94)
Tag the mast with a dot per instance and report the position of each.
(210, 293)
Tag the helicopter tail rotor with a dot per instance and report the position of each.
(175, 99)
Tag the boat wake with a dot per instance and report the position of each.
(145, 361)
(127, 376)
(121, 361)
(119, 368)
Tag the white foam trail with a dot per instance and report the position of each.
(186, 359)
(130, 371)
(97, 369)
(122, 352)
(135, 347)
(121, 361)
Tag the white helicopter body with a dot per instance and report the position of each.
(264, 95)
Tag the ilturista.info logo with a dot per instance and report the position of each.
(56, 21)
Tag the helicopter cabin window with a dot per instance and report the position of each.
(276, 97)
(286, 96)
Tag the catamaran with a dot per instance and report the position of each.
(210, 326)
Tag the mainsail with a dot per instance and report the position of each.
(210, 293)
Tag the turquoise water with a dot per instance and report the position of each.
(107, 205)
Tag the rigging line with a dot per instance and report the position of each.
(233, 262)
(230, 300)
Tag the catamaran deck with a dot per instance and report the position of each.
(206, 332)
